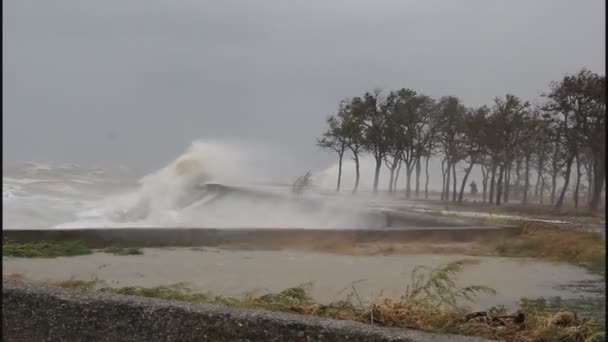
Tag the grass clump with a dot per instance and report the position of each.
(171, 292)
(44, 249)
(431, 302)
(437, 286)
(118, 250)
(78, 284)
(553, 243)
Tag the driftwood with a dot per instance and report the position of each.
(518, 318)
(562, 318)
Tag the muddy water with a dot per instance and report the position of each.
(232, 273)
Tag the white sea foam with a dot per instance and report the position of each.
(218, 185)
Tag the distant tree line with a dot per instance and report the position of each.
(514, 143)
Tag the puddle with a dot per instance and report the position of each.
(233, 273)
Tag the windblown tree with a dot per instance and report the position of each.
(578, 104)
(520, 150)
(533, 128)
(567, 147)
(541, 146)
(430, 137)
(396, 134)
(351, 130)
(473, 126)
(510, 117)
(406, 121)
(372, 113)
(333, 139)
(494, 150)
(425, 128)
(451, 139)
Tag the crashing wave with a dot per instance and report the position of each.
(199, 189)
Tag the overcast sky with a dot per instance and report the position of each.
(134, 82)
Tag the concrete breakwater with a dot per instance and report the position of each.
(39, 313)
(254, 237)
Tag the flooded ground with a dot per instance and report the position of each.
(234, 272)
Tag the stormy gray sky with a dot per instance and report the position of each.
(134, 82)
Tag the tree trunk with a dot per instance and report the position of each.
(562, 195)
(392, 183)
(455, 186)
(397, 173)
(464, 182)
(599, 177)
(377, 174)
(537, 185)
(553, 186)
(484, 182)
(426, 180)
(492, 183)
(447, 181)
(516, 191)
(542, 189)
(501, 173)
(507, 182)
(526, 179)
(578, 181)
(357, 173)
(417, 177)
(540, 178)
(443, 178)
(408, 185)
(589, 174)
(554, 172)
(340, 156)
(390, 180)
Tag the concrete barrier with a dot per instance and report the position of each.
(32, 313)
(159, 237)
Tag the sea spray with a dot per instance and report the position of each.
(225, 185)
(212, 184)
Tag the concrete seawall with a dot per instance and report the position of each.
(38, 313)
(159, 237)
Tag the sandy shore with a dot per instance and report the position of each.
(233, 272)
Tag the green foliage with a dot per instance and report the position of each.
(118, 250)
(519, 248)
(429, 304)
(437, 286)
(44, 249)
(550, 242)
(171, 292)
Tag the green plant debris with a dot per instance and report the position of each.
(118, 250)
(44, 249)
(548, 242)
